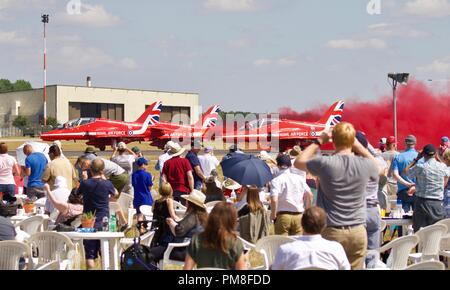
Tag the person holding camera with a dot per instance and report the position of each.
(431, 177)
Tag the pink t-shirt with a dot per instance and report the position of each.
(7, 163)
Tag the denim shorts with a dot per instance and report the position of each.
(91, 249)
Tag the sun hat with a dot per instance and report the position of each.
(122, 146)
(141, 161)
(411, 140)
(90, 150)
(176, 150)
(196, 197)
(231, 184)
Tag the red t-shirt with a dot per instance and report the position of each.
(175, 170)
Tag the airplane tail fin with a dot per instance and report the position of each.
(333, 115)
(151, 114)
(209, 118)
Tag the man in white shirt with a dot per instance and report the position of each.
(311, 250)
(289, 196)
(163, 158)
(208, 162)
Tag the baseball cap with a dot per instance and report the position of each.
(411, 139)
(391, 140)
(383, 140)
(196, 144)
(209, 149)
(284, 161)
(429, 149)
(136, 149)
(142, 161)
(445, 139)
(362, 139)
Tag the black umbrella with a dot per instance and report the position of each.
(247, 170)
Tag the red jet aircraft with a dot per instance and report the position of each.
(101, 132)
(164, 131)
(288, 133)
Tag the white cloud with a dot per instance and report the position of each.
(231, 5)
(91, 15)
(77, 56)
(357, 44)
(262, 62)
(282, 62)
(239, 43)
(428, 8)
(395, 30)
(286, 61)
(438, 66)
(128, 63)
(12, 37)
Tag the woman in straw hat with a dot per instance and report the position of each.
(218, 246)
(193, 222)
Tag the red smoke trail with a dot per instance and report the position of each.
(421, 111)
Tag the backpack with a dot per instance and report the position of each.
(137, 257)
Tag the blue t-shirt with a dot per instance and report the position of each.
(193, 160)
(36, 162)
(401, 161)
(141, 181)
(96, 193)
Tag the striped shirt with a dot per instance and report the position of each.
(430, 177)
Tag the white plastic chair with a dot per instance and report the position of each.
(52, 246)
(212, 204)
(400, 250)
(429, 243)
(269, 246)
(445, 242)
(178, 206)
(31, 225)
(40, 202)
(11, 252)
(126, 203)
(167, 261)
(247, 245)
(49, 266)
(146, 240)
(147, 211)
(427, 265)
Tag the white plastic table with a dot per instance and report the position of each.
(404, 223)
(109, 242)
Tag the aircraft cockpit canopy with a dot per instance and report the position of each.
(77, 122)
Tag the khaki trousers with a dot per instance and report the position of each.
(288, 224)
(354, 241)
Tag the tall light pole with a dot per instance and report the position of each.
(45, 19)
(397, 78)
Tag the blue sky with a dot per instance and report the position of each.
(251, 55)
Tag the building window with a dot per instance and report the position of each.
(168, 112)
(94, 110)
